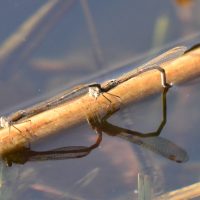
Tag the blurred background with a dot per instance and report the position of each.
(49, 46)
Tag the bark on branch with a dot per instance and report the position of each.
(75, 112)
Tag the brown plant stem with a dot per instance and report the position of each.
(75, 112)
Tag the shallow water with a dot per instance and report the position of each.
(68, 54)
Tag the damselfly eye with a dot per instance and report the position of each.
(112, 82)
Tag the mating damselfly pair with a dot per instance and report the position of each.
(94, 89)
(151, 141)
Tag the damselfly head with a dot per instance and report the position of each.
(112, 83)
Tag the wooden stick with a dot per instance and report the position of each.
(75, 112)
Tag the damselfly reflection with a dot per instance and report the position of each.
(25, 154)
(94, 89)
(151, 141)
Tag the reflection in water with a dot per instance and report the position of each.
(151, 141)
(24, 154)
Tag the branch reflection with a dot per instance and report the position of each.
(151, 141)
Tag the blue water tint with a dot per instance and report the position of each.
(66, 56)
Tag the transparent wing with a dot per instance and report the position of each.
(160, 146)
(166, 57)
(163, 58)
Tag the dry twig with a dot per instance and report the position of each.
(74, 112)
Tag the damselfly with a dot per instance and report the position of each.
(151, 141)
(94, 89)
